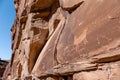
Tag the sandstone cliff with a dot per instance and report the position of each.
(65, 40)
(3, 65)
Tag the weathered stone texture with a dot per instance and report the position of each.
(3, 65)
(109, 71)
(65, 40)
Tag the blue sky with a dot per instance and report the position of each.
(7, 16)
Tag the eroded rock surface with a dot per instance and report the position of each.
(65, 40)
(3, 65)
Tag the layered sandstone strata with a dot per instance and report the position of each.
(65, 40)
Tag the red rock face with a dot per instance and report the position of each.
(65, 40)
(3, 65)
(91, 32)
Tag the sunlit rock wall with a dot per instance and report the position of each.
(65, 40)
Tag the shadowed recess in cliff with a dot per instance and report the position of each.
(37, 45)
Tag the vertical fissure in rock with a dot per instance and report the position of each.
(12, 59)
(57, 40)
(109, 72)
(19, 37)
(56, 22)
